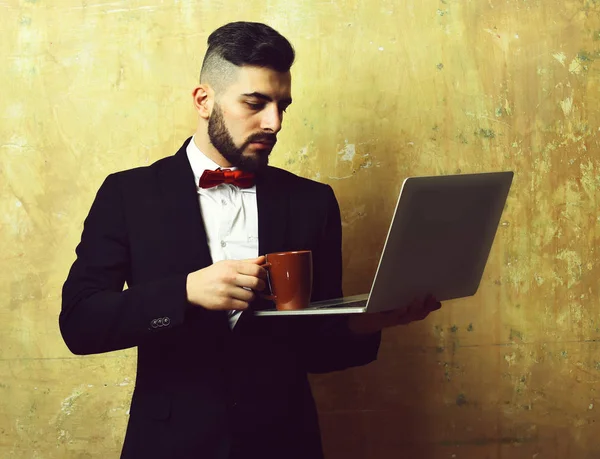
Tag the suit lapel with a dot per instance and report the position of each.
(182, 210)
(272, 201)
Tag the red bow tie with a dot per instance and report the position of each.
(238, 178)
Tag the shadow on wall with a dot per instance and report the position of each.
(380, 410)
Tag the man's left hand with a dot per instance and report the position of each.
(371, 323)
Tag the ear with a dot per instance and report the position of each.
(204, 97)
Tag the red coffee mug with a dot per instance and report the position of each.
(290, 279)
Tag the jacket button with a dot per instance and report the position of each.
(166, 321)
(159, 322)
(154, 323)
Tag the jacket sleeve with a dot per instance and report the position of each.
(97, 314)
(328, 344)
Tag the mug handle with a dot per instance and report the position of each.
(271, 297)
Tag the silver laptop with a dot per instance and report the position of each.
(438, 243)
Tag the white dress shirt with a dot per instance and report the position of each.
(230, 215)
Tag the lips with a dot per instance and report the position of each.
(262, 140)
(264, 144)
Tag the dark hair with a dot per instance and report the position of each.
(252, 44)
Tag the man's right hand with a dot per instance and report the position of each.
(225, 285)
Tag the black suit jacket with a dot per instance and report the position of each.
(203, 390)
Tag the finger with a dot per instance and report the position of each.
(237, 305)
(256, 261)
(415, 307)
(242, 294)
(399, 313)
(432, 304)
(422, 315)
(251, 269)
(437, 305)
(395, 317)
(251, 282)
(417, 312)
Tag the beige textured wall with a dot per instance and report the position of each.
(382, 90)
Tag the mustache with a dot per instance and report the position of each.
(262, 138)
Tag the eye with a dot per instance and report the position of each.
(255, 106)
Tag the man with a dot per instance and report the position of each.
(214, 381)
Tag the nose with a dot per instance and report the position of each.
(272, 119)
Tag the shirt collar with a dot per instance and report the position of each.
(200, 163)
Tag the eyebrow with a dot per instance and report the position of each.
(266, 98)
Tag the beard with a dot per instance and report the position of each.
(221, 139)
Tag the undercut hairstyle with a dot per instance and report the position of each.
(239, 44)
